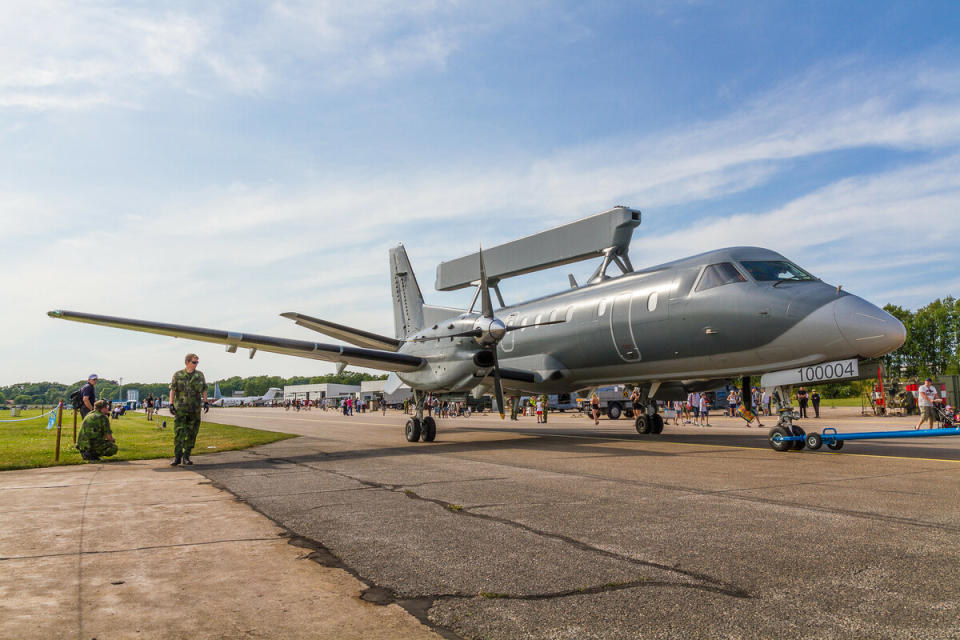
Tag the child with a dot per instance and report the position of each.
(704, 411)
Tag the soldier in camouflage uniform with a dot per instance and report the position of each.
(95, 439)
(188, 393)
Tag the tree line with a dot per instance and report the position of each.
(933, 340)
(50, 393)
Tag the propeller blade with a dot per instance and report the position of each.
(497, 387)
(486, 304)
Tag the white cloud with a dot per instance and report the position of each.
(75, 55)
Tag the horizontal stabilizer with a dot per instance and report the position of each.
(372, 358)
(591, 237)
(347, 334)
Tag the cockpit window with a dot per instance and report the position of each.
(767, 270)
(719, 274)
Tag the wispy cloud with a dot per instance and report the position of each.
(68, 55)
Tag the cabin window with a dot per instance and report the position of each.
(523, 323)
(554, 314)
(569, 313)
(767, 270)
(602, 308)
(716, 275)
(538, 319)
(652, 301)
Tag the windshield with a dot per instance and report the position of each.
(767, 270)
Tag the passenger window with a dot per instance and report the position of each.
(716, 275)
(554, 314)
(523, 324)
(652, 301)
(602, 308)
(569, 313)
(538, 319)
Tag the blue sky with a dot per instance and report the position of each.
(218, 163)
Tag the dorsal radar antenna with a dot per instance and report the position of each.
(605, 235)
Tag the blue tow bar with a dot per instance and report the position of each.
(780, 441)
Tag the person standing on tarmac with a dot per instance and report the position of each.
(88, 395)
(95, 439)
(803, 399)
(188, 393)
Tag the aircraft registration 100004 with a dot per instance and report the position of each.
(689, 325)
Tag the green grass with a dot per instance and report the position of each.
(28, 444)
(841, 402)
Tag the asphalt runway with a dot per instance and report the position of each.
(567, 530)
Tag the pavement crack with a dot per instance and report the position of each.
(712, 584)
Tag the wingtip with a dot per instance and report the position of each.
(56, 313)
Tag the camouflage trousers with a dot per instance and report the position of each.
(103, 448)
(186, 424)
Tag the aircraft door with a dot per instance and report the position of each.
(620, 328)
(507, 343)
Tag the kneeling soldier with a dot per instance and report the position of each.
(95, 439)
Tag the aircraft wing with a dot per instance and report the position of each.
(342, 332)
(372, 358)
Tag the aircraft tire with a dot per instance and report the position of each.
(614, 411)
(814, 441)
(656, 423)
(642, 424)
(412, 430)
(779, 445)
(428, 432)
(798, 444)
(836, 445)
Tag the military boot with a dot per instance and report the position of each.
(176, 460)
(186, 457)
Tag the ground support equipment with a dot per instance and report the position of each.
(781, 440)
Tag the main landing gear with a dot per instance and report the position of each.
(419, 427)
(648, 420)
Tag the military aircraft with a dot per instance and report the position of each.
(219, 400)
(693, 324)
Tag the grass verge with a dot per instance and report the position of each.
(28, 444)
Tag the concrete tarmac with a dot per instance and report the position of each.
(567, 530)
(143, 550)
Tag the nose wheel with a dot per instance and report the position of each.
(412, 430)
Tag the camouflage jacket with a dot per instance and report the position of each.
(188, 390)
(95, 428)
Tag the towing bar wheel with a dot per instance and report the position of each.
(814, 441)
(836, 445)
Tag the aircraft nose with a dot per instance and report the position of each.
(869, 330)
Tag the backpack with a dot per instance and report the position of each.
(76, 399)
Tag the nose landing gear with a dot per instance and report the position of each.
(419, 427)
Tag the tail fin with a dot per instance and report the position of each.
(272, 393)
(407, 299)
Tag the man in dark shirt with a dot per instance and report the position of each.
(802, 400)
(88, 395)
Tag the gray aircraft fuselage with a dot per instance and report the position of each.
(664, 324)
